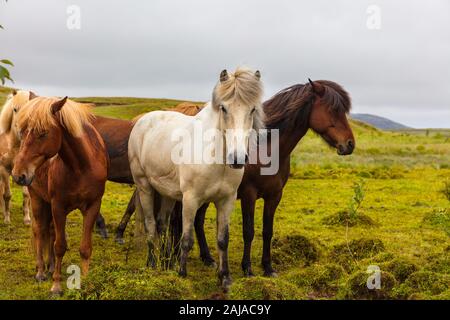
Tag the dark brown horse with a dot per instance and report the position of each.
(63, 161)
(321, 106)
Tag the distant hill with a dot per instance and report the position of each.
(378, 122)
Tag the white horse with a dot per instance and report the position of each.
(9, 146)
(235, 108)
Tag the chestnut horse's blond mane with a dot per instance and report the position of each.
(37, 115)
(6, 115)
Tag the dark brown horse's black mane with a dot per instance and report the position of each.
(291, 107)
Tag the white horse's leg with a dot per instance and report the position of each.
(190, 206)
(26, 204)
(163, 218)
(224, 208)
(145, 208)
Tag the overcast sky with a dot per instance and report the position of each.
(177, 48)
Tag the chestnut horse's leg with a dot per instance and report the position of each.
(59, 221)
(89, 217)
(248, 200)
(26, 206)
(41, 225)
(126, 218)
(5, 197)
(270, 206)
(199, 223)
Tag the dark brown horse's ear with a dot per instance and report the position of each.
(224, 75)
(258, 74)
(32, 95)
(56, 106)
(317, 87)
(14, 92)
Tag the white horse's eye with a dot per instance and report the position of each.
(253, 110)
(222, 108)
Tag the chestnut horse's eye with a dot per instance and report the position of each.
(43, 135)
(15, 109)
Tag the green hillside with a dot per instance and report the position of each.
(322, 249)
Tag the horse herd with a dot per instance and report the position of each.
(63, 155)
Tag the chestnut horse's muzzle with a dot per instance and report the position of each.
(23, 180)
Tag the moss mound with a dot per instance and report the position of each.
(322, 280)
(140, 284)
(259, 288)
(356, 287)
(439, 219)
(288, 250)
(439, 263)
(423, 283)
(343, 218)
(401, 268)
(357, 249)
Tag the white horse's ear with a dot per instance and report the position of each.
(258, 74)
(56, 106)
(224, 76)
(32, 95)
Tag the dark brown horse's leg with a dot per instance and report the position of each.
(59, 221)
(248, 230)
(125, 219)
(270, 206)
(101, 226)
(199, 223)
(89, 218)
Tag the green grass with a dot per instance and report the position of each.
(404, 176)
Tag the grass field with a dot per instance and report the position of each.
(321, 248)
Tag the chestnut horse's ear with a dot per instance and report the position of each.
(317, 87)
(14, 92)
(224, 75)
(56, 106)
(32, 95)
(258, 74)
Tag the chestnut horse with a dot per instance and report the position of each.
(9, 146)
(321, 106)
(63, 161)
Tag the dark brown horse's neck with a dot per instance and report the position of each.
(74, 152)
(289, 138)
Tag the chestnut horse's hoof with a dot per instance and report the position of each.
(209, 262)
(41, 277)
(7, 220)
(56, 290)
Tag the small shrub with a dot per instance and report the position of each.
(439, 218)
